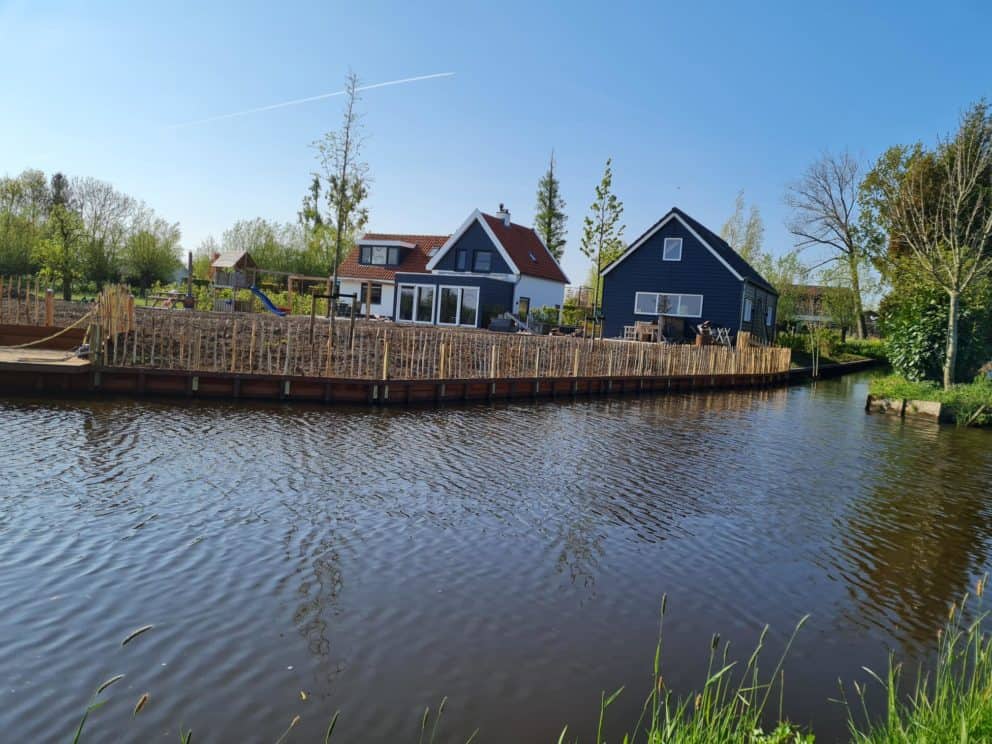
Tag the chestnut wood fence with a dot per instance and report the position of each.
(301, 346)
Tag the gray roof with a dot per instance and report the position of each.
(231, 259)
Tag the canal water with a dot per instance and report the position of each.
(511, 557)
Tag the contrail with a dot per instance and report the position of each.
(298, 101)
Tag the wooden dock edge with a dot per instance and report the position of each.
(130, 381)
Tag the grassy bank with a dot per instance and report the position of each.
(967, 404)
(737, 703)
(831, 349)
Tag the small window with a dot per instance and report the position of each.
(393, 256)
(533, 258)
(748, 309)
(672, 250)
(376, 293)
(461, 260)
(379, 253)
(365, 254)
(483, 261)
(768, 316)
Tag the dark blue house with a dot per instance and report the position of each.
(681, 274)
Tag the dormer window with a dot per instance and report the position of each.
(379, 255)
(672, 250)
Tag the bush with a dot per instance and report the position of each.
(872, 348)
(915, 326)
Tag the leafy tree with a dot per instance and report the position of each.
(203, 256)
(107, 214)
(936, 206)
(744, 235)
(152, 254)
(602, 232)
(549, 222)
(345, 176)
(59, 253)
(315, 230)
(826, 215)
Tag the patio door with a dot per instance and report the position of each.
(523, 308)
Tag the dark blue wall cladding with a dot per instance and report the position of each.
(474, 239)
(699, 272)
(495, 295)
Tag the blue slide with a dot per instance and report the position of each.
(266, 301)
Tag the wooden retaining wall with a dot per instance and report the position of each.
(177, 383)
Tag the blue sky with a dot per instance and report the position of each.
(693, 101)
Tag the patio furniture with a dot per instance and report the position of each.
(644, 331)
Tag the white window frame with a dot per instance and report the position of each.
(416, 303)
(748, 314)
(677, 300)
(459, 290)
(664, 249)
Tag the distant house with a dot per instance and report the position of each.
(681, 273)
(371, 267)
(489, 266)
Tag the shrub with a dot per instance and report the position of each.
(915, 326)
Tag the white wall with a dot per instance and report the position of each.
(378, 308)
(542, 292)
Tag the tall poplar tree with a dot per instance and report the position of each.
(549, 222)
(602, 233)
(346, 177)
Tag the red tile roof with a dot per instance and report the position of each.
(415, 260)
(526, 250)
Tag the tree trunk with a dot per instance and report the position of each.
(859, 311)
(66, 288)
(951, 358)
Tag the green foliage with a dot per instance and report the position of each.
(913, 320)
(151, 255)
(345, 176)
(545, 314)
(745, 236)
(870, 348)
(602, 231)
(966, 403)
(953, 705)
(59, 253)
(550, 218)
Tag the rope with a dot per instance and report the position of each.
(54, 335)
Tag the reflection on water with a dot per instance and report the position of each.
(511, 557)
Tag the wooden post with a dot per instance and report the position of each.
(368, 302)
(351, 330)
(385, 358)
(441, 369)
(49, 307)
(313, 313)
(575, 363)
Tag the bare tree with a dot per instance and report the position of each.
(346, 176)
(942, 212)
(107, 214)
(825, 206)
